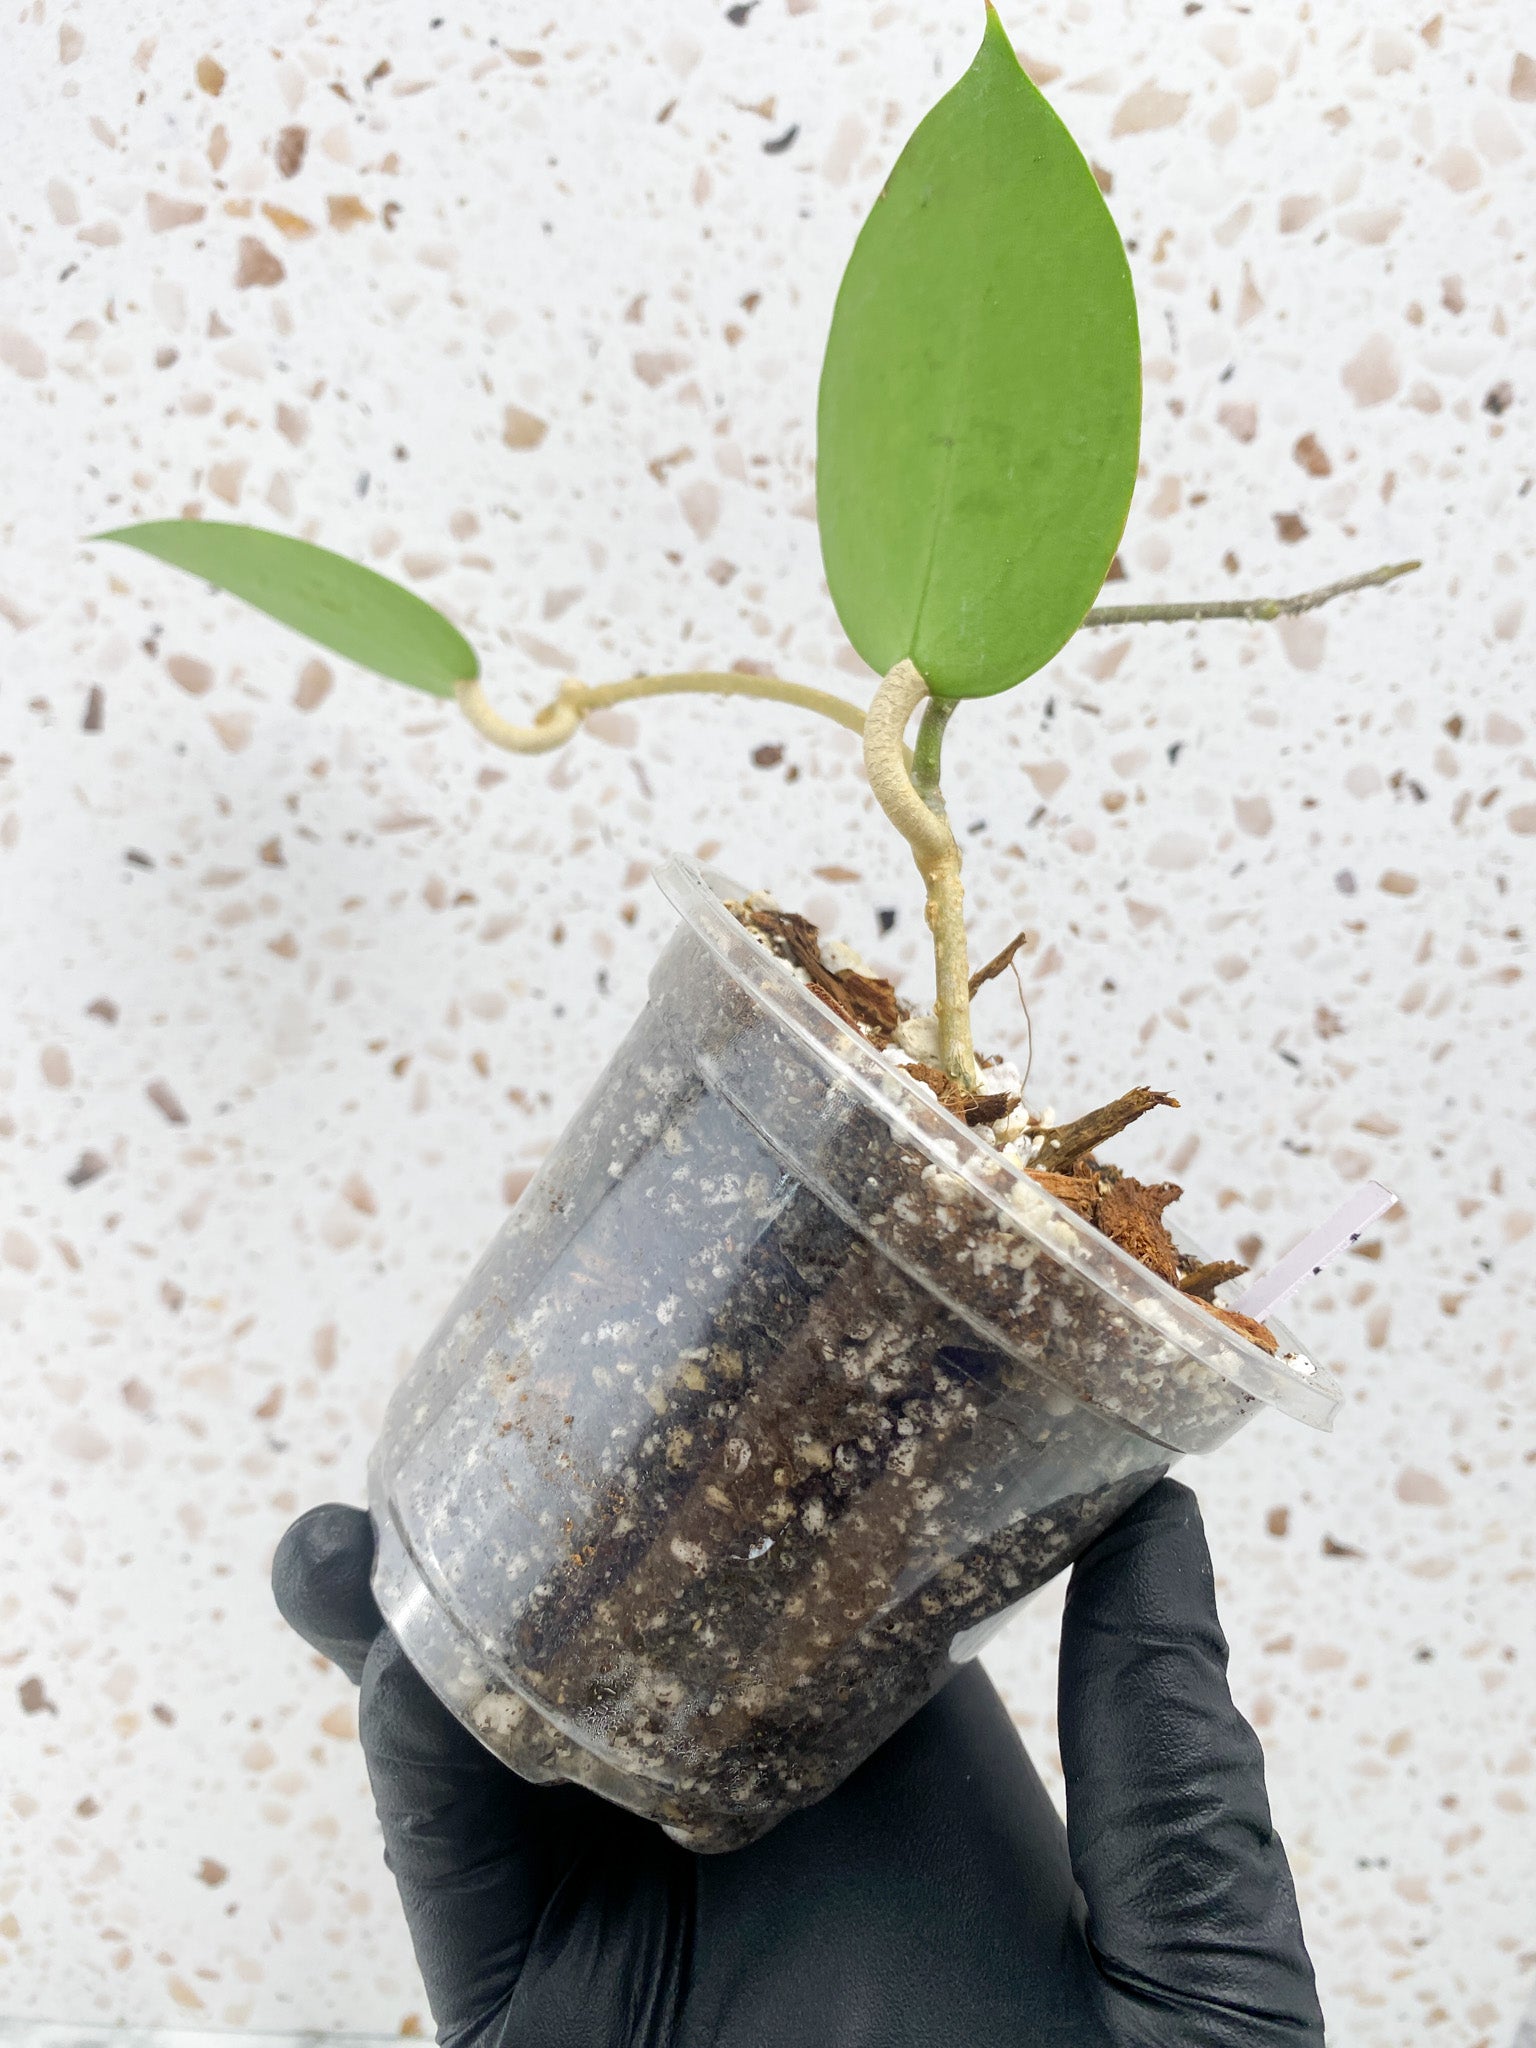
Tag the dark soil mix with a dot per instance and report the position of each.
(762, 1410)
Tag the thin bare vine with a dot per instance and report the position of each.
(905, 782)
(560, 720)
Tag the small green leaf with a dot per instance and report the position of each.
(351, 610)
(980, 400)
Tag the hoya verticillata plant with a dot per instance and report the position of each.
(977, 434)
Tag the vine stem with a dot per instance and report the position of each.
(1245, 607)
(905, 784)
(919, 817)
(557, 722)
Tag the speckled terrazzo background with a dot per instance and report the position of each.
(301, 979)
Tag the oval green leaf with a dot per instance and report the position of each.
(980, 403)
(351, 610)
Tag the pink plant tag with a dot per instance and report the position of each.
(1344, 1227)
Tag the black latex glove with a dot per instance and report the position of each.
(934, 1898)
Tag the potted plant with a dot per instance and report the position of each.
(810, 1351)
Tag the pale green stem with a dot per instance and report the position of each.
(937, 713)
(926, 830)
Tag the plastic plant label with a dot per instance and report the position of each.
(1346, 1226)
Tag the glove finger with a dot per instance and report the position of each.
(476, 1851)
(1189, 1895)
(320, 1583)
(935, 1880)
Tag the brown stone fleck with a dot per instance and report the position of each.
(257, 265)
(345, 211)
(289, 150)
(1278, 1521)
(165, 1101)
(1290, 526)
(293, 225)
(654, 366)
(1147, 108)
(164, 213)
(211, 75)
(314, 685)
(33, 1695)
(1522, 77)
(521, 429)
(211, 1872)
(1309, 452)
(1421, 1489)
(88, 1167)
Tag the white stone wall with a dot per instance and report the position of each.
(301, 979)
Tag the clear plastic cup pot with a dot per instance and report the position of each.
(776, 1391)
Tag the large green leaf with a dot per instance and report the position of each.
(352, 610)
(981, 396)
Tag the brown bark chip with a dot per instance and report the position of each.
(863, 997)
(1132, 1215)
(833, 1002)
(1077, 1190)
(1066, 1143)
(998, 964)
(1129, 1212)
(951, 1095)
(1245, 1326)
(1202, 1281)
(872, 1001)
(990, 1109)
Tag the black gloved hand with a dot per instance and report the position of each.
(933, 1898)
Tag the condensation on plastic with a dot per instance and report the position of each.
(775, 1390)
